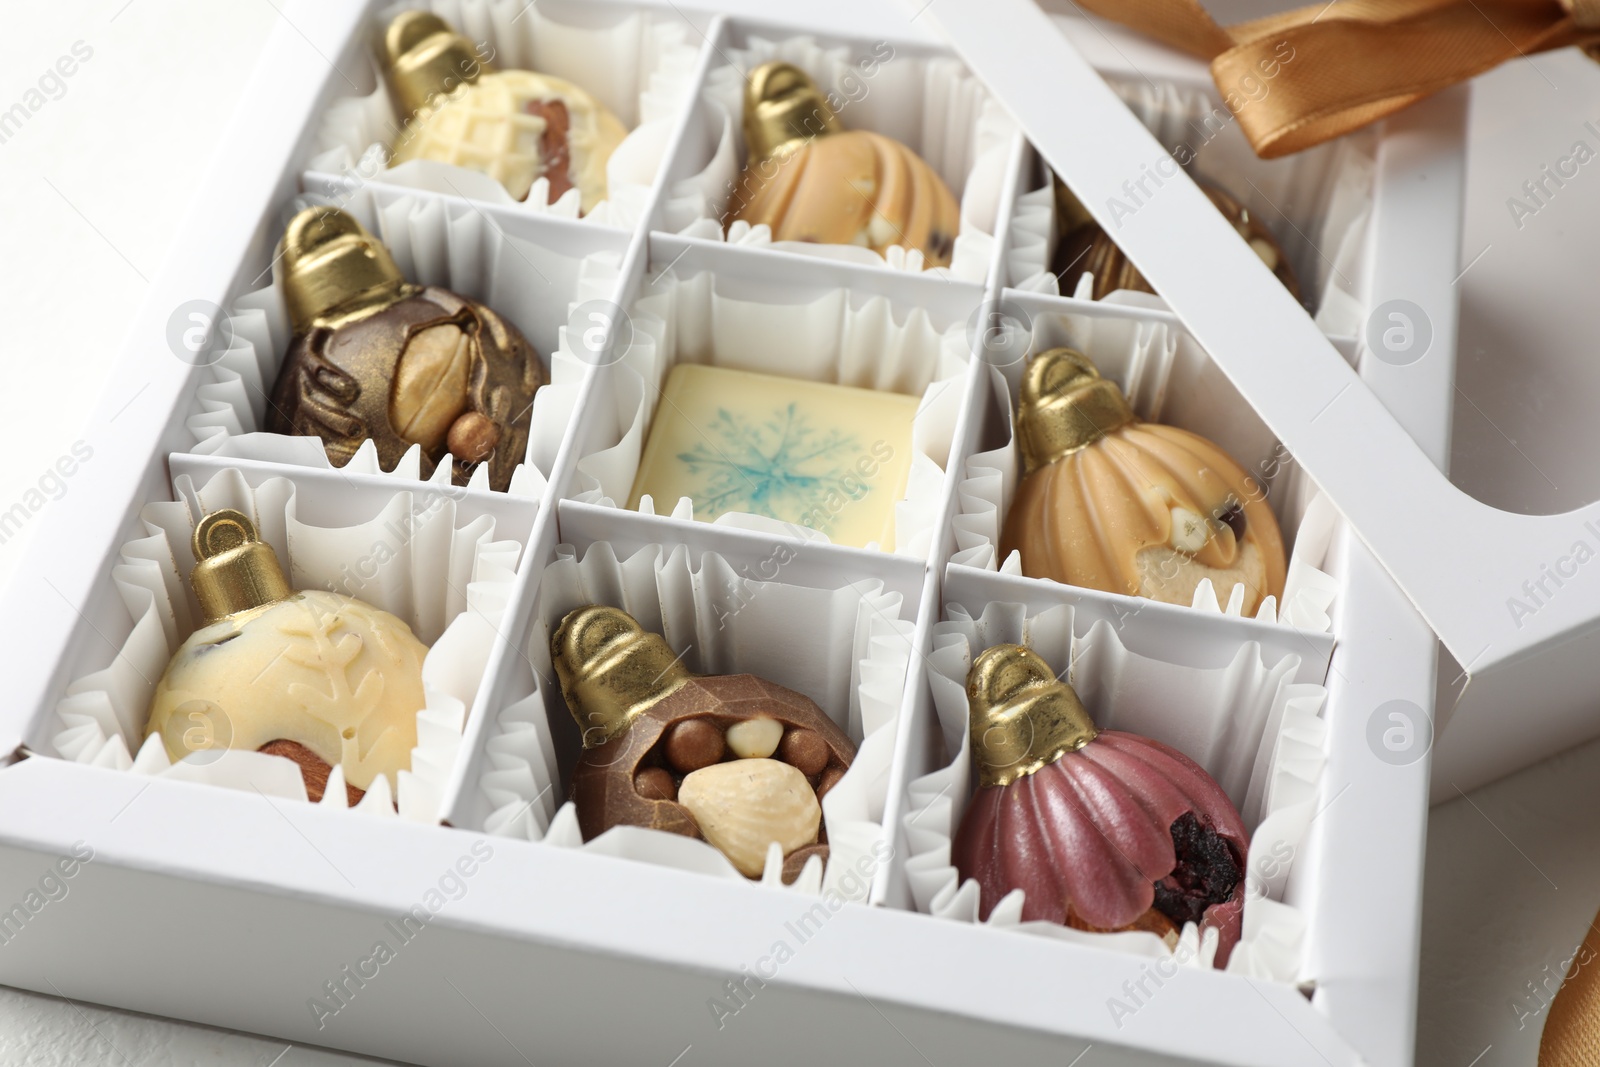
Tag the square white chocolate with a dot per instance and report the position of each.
(828, 457)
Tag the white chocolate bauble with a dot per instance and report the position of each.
(329, 672)
(487, 126)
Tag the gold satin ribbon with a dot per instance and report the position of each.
(1331, 68)
(1572, 1032)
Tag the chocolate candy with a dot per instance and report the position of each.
(315, 677)
(1113, 503)
(513, 125)
(1083, 247)
(826, 457)
(1102, 830)
(810, 179)
(375, 358)
(735, 760)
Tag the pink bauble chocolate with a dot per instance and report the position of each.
(1101, 831)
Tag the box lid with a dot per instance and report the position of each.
(1508, 594)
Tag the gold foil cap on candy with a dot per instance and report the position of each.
(1022, 717)
(234, 569)
(333, 271)
(783, 108)
(611, 670)
(1065, 405)
(423, 57)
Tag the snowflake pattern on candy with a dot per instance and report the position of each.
(780, 467)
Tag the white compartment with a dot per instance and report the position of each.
(1254, 729)
(844, 644)
(1316, 203)
(1167, 378)
(732, 308)
(639, 62)
(423, 556)
(535, 281)
(928, 102)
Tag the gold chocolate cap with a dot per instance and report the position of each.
(611, 669)
(332, 270)
(1065, 405)
(783, 109)
(234, 569)
(423, 58)
(1022, 717)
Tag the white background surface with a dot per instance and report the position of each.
(91, 186)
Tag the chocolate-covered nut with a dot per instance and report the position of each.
(639, 706)
(692, 744)
(656, 783)
(807, 751)
(472, 437)
(830, 778)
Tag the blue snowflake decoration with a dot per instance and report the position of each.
(782, 467)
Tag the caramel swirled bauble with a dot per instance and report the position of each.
(809, 179)
(1113, 503)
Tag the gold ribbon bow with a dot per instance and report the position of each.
(1306, 76)
(1572, 1032)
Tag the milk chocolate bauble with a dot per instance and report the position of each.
(1084, 247)
(1101, 830)
(376, 358)
(513, 125)
(320, 678)
(1110, 502)
(810, 179)
(735, 760)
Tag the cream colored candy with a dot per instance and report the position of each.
(755, 738)
(1172, 576)
(334, 674)
(744, 805)
(485, 126)
(825, 457)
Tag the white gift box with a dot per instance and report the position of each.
(474, 941)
